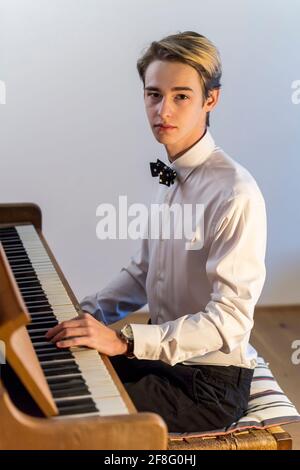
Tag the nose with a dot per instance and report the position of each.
(164, 108)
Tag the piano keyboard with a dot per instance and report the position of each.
(77, 377)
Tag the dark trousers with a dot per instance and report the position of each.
(188, 398)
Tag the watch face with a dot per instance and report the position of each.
(127, 331)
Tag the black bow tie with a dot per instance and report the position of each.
(165, 173)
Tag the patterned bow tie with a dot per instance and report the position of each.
(165, 173)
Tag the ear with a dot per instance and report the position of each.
(212, 99)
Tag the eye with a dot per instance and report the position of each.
(152, 94)
(185, 96)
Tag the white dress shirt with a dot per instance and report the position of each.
(201, 301)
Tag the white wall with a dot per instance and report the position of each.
(74, 133)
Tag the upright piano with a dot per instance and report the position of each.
(51, 398)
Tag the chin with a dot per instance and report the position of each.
(163, 138)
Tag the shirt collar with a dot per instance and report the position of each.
(193, 157)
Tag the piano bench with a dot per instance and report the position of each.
(273, 438)
(260, 428)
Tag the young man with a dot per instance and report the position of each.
(193, 364)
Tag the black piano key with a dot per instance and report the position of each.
(49, 309)
(36, 336)
(41, 326)
(61, 366)
(27, 276)
(45, 347)
(7, 230)
(65, 373)
(37, 339)
(16, 255)
(42, 312)
(11, 237)
(15, 263)
(84, 405)
(44, 325)
(45, 351)
(61, 372)
(38, 315)
(41, 321)
(27, 269)
(42, 315)
(61, 386)
(49, 351)
(76, 410)
(55, 361)
(35, 320)
(39, 308)
(55, 352)
(38, 302)
(42, 344)
(26, 284)
(52, 365)
(19, 265)
(41, 332)
(78, 391)
(25, 289)
(55, 355)
(34, 297)
(76, 402)
(10, 242)
(58, 383)
(16, 248)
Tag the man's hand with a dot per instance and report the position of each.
(85, 330)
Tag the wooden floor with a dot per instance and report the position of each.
(275, 329)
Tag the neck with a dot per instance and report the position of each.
(175, 156)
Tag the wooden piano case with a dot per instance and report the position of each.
(19, 430)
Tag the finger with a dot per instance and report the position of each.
(69, 333)
(74, 323)
(68, 343)
(85, 315)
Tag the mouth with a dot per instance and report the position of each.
(164, 128)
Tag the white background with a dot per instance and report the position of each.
(74, 133)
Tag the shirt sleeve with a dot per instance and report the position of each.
(124, 294)
(235, 269)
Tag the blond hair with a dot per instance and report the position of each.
(188, 48)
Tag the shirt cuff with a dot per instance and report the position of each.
(147, 341)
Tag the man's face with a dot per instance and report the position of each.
(184, 109)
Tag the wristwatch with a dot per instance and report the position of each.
(126, 334)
